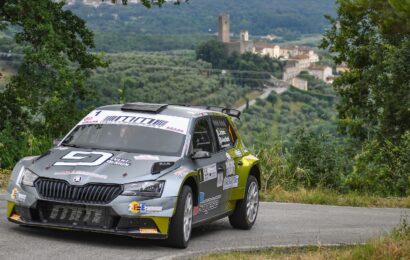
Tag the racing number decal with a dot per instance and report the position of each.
(79, 155)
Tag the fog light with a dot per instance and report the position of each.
(148, 231)
(15, 217)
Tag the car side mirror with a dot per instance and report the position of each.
(56, 142)
(201, 155)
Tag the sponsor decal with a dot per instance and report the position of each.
(223, 138)
(148, 209)
(146, 157)
(201, 197)
(209, 204)
(148, 231)
(238, 153)
(81, 155)
(164, 122)
(231, 182)
(16, 195)
(21, 197)
(230, 167)
(134, 207)
(196, 210)
(220, 180)
(119, 162)
(75, 172)
(181, 172)
(209, 172)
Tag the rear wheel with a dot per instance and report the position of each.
(181, 223)
(246, 210)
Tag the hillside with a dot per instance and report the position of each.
(172, 77)
(120, 28)
(280, 116)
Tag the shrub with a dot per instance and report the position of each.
(317, 160)
(382, 167)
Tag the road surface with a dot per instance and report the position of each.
(278, 224)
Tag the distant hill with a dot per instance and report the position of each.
(260, 17)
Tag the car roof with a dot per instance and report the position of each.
(170, 110)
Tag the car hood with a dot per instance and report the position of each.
(80, 166)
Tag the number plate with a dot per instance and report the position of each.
(75, 215)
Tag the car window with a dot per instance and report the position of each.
(224, 132)
(202, 137)
(127, 138)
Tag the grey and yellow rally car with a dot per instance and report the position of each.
(142, 170)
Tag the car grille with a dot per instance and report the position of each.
(76, 215)
(60, 190)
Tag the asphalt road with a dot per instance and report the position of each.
(278, 224)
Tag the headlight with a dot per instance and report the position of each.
(145, 188)
(29, 177)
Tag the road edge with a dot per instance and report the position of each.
(191, 255)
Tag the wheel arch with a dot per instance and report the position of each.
(192, 183)
(256, 172)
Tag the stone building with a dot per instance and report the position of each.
(299, 83)
(264, 48)
(239, 46)
(223, 32)
(322, 72)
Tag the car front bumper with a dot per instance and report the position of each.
(108, 221)
(114, 217)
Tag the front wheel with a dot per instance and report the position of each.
(246, 210)
(180, 227)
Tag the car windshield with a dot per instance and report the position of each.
(127, 138)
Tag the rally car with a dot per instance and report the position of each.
(142, 170)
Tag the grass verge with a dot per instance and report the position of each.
(4, 178)
(396, 245)
(330, 197)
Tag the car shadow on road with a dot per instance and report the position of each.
(103, 240)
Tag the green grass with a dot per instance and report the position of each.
(330, 197)
(396, 245)
(4, 178)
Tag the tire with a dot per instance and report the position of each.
(240, 218)
(180, 227)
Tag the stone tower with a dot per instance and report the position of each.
(244, 36)
(223, 33)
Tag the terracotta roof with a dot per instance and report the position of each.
(263, 45)
(300, 57)
(318, 67)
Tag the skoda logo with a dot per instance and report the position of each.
(77, 179)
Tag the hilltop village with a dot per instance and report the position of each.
(297, 58)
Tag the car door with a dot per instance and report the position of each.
(227, 144)
(209, 169)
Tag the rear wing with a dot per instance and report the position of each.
(228, 111)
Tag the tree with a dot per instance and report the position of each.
(372, 38)
(50, 81)
(47, 95)
(213, 52)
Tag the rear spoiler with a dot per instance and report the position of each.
(228, 111)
